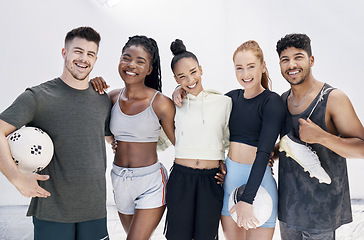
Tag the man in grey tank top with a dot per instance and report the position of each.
(324, 123)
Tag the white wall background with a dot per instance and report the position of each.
(32, 35)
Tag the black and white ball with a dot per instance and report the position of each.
(262, 204)
(31, 148)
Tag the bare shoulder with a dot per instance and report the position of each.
(113, 94)
(163, 105)
(342, 113)
(162, 101)
(337, 100)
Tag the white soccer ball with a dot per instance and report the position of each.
(262, 204)
(31, 148)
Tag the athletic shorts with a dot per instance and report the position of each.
(237, 175)
(194, 203)
(88, 230)
(139, 188)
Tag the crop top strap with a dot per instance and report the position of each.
(155, 94)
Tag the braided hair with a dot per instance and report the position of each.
(154, 79)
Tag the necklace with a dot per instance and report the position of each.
(299, 104)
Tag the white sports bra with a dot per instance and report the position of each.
(141, 127)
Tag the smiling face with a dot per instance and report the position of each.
(248, 70)
(79, 57)
(188, 74)
(135, 64)
(295, 65)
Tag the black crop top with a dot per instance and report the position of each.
(257, 122)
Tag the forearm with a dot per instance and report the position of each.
(345, 147)
(7, 165)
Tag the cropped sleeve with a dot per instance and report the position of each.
(226, 133)
(163, 141)
(273, 116)
(21, 111)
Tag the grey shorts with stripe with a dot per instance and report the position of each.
(139, 188)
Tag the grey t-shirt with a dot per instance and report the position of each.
(77, 122)
(303, 203)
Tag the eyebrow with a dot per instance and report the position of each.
(78, 48)
(179, 74)
(128, 55)
(239, 65)
(294, 55)
(142, 58)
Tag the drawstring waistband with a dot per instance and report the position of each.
(125, 173)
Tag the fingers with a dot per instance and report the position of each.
(248, 223)
(114, 146)
(41, 177)
(222, 167)
(99, 84)
(184, 93)
(220, 178)
(232, 210)
(178, 95)
(29, 187)
(177, 100)
(40, 192)
(301, 121)
(252, 223)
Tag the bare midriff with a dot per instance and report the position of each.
(197, 163)
(135, 155)
(242, 153)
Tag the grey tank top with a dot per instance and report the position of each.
(141, 127)
(304, 203)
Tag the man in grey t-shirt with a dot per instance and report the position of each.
(69, 195)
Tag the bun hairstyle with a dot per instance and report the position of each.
(177, 47)
(179, 51)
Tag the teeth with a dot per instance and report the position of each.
(292, 73)
(81, 66)
(248, 80)
(192, 86)
(130, 73)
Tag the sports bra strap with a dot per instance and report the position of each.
(155, 94)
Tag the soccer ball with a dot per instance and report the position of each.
(262, 204)
(31, 148)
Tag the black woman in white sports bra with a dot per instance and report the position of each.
(140, 111)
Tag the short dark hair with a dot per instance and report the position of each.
(87, 33)
(297, 40)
